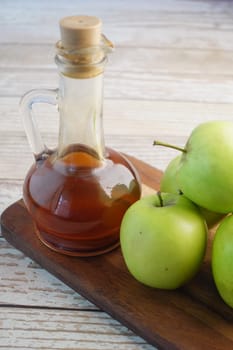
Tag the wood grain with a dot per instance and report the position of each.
(40, 328)
(176, 316)
(172, 69)
(171, 23)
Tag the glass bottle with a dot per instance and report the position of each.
(78, 193)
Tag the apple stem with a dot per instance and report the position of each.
(160, 198)
(159, 143)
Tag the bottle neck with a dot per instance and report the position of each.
(81, 97)
(80, 107)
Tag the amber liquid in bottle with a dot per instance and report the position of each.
(78, 201)
(78, 194)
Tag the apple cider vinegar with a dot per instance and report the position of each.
(78, 202)
(77, 195)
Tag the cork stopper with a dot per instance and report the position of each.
(79, 32)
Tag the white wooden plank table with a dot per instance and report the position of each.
(172, 69)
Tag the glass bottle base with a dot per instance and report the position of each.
(77, 201)
(75, 252)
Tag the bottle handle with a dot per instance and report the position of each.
(50, 96)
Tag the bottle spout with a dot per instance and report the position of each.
(83, 49)
(108, 45)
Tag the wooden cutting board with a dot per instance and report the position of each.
(193, 317)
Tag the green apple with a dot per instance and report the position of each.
(169, 183)
(222, 260)
(163, 240)
(205, 171)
